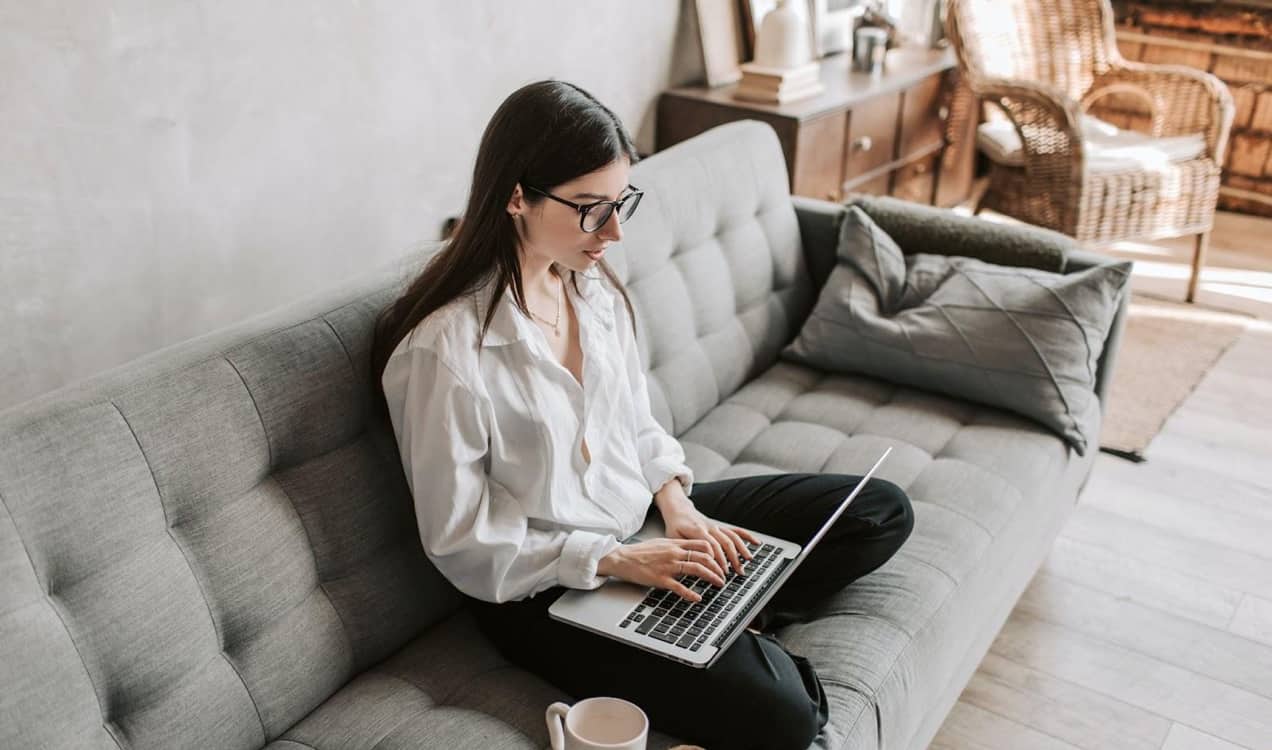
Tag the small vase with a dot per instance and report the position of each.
(782, 41)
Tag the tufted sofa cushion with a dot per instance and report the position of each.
(715, 267)
(197, 549)
(989, 490)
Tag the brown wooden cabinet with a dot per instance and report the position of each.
(886, 135)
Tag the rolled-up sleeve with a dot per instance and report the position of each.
(661, 455)
(473, 530)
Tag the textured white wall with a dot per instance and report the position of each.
(173, 166)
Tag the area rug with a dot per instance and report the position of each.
(1167, 348)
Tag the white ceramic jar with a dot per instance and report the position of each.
(782, 41)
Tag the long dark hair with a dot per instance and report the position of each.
(545, 134)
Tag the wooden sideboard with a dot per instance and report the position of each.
(896, 134)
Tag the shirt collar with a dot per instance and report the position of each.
(509, 324)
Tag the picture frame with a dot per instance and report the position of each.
(834, 22)
(721, 35)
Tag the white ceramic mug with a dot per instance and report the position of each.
(597, 724)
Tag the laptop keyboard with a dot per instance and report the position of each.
(671, 619)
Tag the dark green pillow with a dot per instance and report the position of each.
(923, 229)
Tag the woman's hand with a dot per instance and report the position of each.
(659, 562)
(728, 545)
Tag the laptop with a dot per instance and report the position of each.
(693, 633)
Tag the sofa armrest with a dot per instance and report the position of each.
(923, 229)
(1080, 260)
(917, 228)
(819, 230)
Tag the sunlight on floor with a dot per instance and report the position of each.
(1191, 313)
(1254, 294)
(1140, 248)
(1209, 275)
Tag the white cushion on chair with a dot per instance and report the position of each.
(1108, 147)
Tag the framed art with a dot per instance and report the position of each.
(720, 32)
(834, 22)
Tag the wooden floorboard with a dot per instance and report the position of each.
(1184, 737)
(1062, 709)
(1181, 515)
(1221, 566)
(972, 728)
(1149, 624)
(1145, 583)
(1143, 681)
(1147, 631)
(1253, 619)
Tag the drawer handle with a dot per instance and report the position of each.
(943, 112)
(864, 143)
(920, 168)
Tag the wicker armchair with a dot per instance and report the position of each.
(1044, 63)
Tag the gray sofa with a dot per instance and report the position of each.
(214, 546)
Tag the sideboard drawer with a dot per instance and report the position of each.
(915, 181)
(873, 186)
(872, 135)
(819, 150)
(922, 122)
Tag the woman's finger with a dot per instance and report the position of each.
(712, 547)
(739, 543)
(748, 536)
(682, 590)
(727, 543)
(699, 555)
(692, 544)
(705, 558)
(698, 544)
(717, 550)
(702, 571)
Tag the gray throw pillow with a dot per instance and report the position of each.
(1020, 339)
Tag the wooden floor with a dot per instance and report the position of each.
(1150, 624)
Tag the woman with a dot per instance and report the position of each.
(512, 378)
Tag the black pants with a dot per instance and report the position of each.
(757, 694)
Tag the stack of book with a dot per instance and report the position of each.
(777, 85)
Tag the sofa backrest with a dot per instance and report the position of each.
(199, 547)
(715, 267)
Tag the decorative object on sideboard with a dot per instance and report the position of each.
(869, 49)
(783, 69)
(753, 13)
(720, 34)
(876, 14)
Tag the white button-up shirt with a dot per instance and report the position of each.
(491, 438)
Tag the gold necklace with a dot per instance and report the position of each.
(556, 324)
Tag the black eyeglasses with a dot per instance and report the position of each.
(592, 216)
